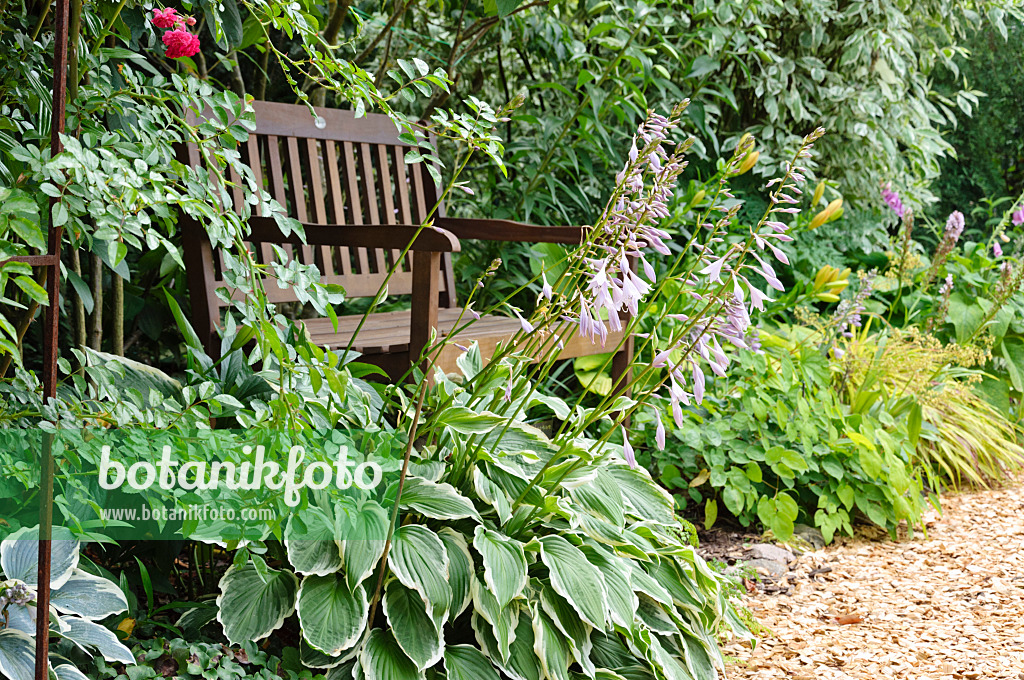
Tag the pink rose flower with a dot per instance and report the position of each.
(180, 43)
(165, 18)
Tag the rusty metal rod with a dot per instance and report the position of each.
(50, 354)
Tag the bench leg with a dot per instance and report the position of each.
(622, 373)
(426, 268)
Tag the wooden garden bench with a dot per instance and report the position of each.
(346, 180)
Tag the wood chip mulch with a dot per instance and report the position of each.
(947, 606)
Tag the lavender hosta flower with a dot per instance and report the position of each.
(545, 291)
(627, 450)
(997, 250)
(892, 199)
(659, 432)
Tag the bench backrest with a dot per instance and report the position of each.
(332, 170)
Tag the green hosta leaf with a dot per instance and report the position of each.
(492, 494)
(19, 556)
(602, 498)
(502, 619)
(437, 501)
(89, 636)
(66, 671)
(467, 421)
(504, 564)
(575, 632)
(646, 500)
(550, 647)
(419, 559)
(251, 608)
(382, 659)
(575, 579)
(365, 532)
(622, 601)
(463, 662)
(460, 569)
(312, 548)
(470, 362)
(414, 630)
(17, 655)
(331, 615)
(88, 596)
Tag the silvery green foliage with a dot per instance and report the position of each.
(587, 571)
(78, 600)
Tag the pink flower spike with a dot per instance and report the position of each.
(627, 450)
(165, 18)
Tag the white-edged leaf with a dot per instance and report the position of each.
(419, 559)
(647, 500)
(464, 662)
(502, 619)
(504, 564)
(66, 671)
(415, 631)
(550, 646)
(17, 655)
(331, 615)
(22, 618)
(365, 532)
(19, 556)
(89, 636)
(460, 569)
(492, 494)
(437, 501)
(88, 596)
(575, 579)
(250, 608)
(382, 659)
(311, 545)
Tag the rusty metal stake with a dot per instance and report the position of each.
(50, 354)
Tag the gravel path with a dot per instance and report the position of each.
(947, 606)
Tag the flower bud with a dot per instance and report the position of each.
(748, 162)
(696, 199)
(819, 191)
(818, 220)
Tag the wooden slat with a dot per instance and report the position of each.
(354, 202)
(297, 184)
(337, 205)
(325, 254)
(253, 160)
(370, 200)
(289, 120)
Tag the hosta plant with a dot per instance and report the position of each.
(508, 552)
(78, 601)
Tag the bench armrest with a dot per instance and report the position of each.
(508, 230)
(387, 236)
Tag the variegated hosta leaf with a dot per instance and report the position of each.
(332, 616)
(551, 647)
(365, 532)
(19, 556)
(311, 544)
(521, 662)
(66, 671)
(437, 501)
(88, 596)
(251, 608)
(504, 564)
(646, 500)
(419, 559)
(502, 619)
(615, 571)
(383, 659)
(22, 618)
(460, 569)
(416, 632)
(463, 662)
(90, 637)
(575, 579)
(575, 633)
(17, 655)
